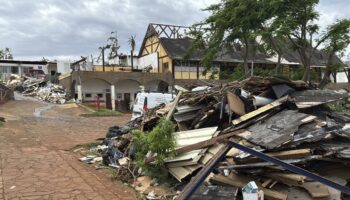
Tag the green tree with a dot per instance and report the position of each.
(232, 23)
(336, 43)
(296, 21)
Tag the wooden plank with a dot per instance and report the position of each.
(172, 110)
(316, 190)
(236, 104)
(203, 174)
(288, 179)
(291, 154)
(240, 181)
(266, 183)
(260, 110)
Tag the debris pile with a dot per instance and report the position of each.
(6, 94)
(40, 88)
(265, 137)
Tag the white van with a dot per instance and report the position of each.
(145, 101)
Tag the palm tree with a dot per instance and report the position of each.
(132, 45)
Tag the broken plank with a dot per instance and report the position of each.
(196, 181)
(241, 181)
(316, 190)
(236, 105)
(266, 182)
(291, 154)
(260, 110)
(172, 109)
(288, 179)
(292, 168)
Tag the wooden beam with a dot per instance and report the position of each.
(291, 154)
(172, 110)
(260, 110)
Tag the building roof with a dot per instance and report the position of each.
(24, 62)
(177, 49)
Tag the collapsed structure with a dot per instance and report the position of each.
(40, 88)
(267, 130)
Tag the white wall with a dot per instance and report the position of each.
(126, 86)
(63, 66)
(151, 59)
(94, 87)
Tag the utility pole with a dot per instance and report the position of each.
(103, 48)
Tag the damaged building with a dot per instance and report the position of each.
(163, 62)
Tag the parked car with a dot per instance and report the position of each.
(36, 73)
(146, 101)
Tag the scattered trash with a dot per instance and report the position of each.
(257, 135)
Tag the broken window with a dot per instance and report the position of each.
(100, 95)
(14, 70)
(88, 95)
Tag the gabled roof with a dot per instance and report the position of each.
(177, 49)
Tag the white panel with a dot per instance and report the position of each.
(151, 59)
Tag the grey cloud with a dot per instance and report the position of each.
(53, 28)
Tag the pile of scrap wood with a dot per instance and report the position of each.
(276, 132)
(39, 88)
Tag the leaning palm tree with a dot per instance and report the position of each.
(132, 43)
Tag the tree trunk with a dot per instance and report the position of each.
(305, 59)
(326, 78)
(278, 65)
(245, 59)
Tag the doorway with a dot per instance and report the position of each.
(127, 101)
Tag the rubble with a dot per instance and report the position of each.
(271, 131)
(6, 94)
(40, 88)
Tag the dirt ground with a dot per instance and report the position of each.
(34, 159)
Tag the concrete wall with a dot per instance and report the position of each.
(126, 86)
(93, 87)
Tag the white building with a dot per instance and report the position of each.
(20, 67)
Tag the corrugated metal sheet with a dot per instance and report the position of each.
(186, 138)
(185, 113)
(182, 172)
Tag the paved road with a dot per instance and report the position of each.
(35, 163)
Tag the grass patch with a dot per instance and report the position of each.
(1, 124)
(103, 113)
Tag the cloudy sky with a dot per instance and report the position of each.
(70, 28)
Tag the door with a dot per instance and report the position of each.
(108, 101)
(127, 101)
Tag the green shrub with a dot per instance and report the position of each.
(160, 141)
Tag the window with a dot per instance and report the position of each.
(166, 67)
(14, 70)
(88, 95)
(100, 95)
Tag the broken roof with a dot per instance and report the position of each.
(177, 49)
